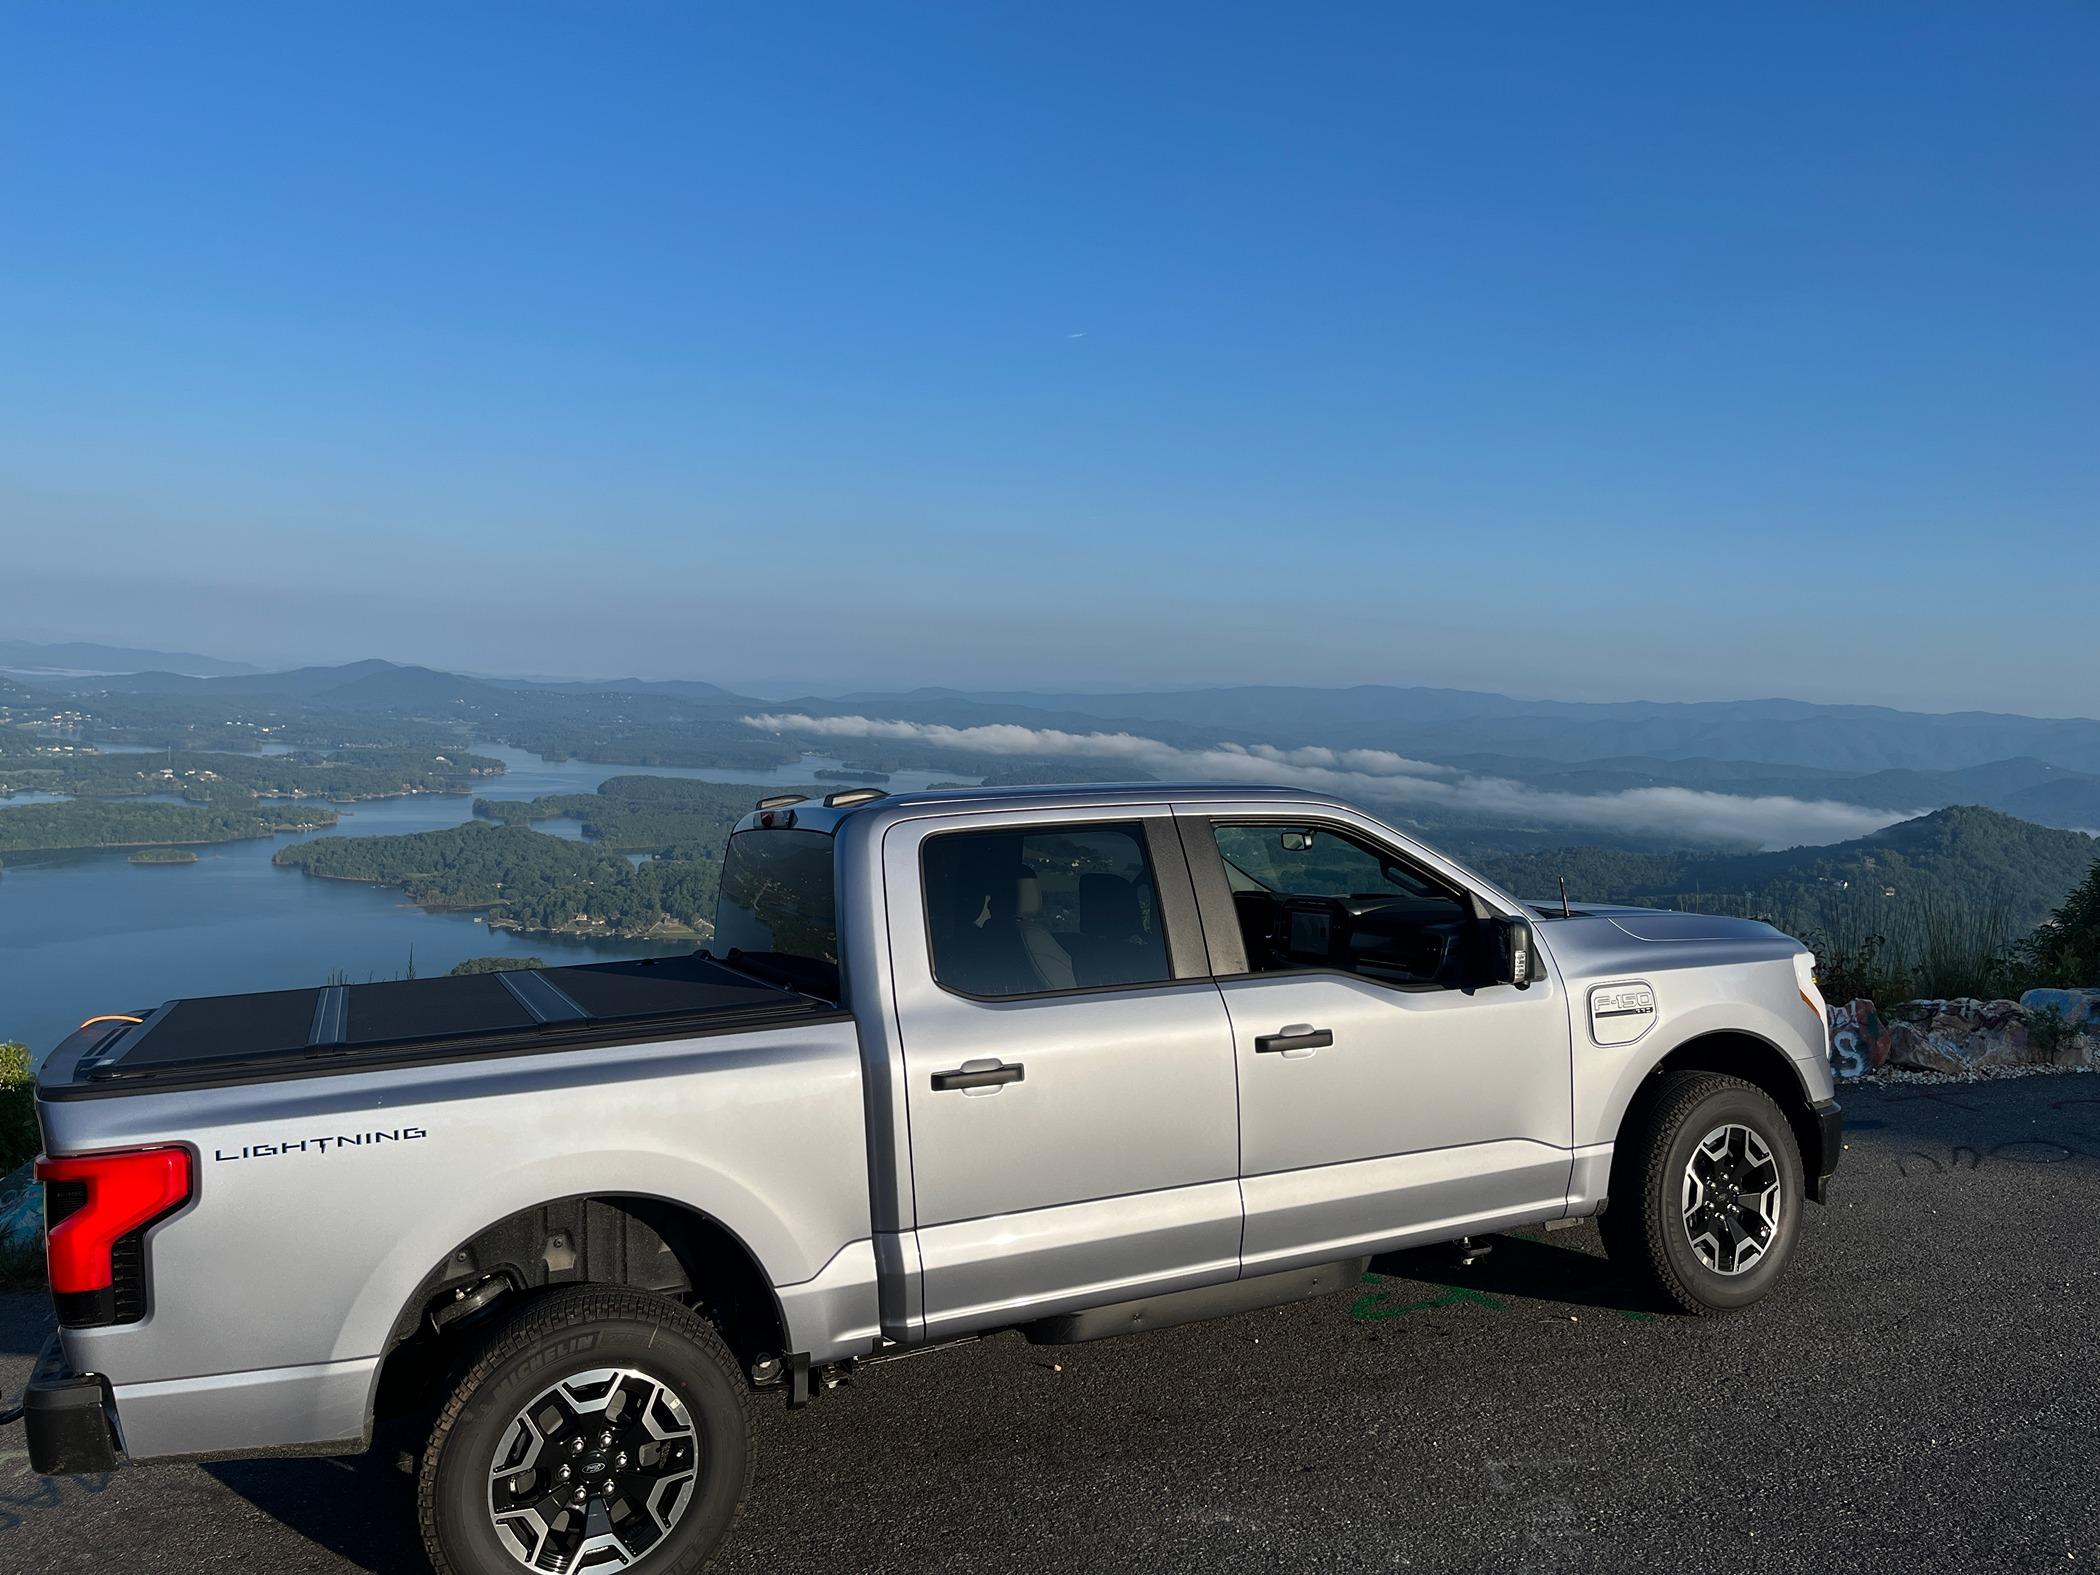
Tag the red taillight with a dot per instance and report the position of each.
(112, 1195)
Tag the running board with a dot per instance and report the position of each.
(1205, 1301)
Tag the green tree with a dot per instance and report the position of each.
(2065, 947)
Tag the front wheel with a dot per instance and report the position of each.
(600, 1430)
(1706, 1194)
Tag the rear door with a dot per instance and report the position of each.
(1385, 1095)
(1068, 1063)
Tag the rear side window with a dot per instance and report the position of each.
(1025, 911)
(777, 912)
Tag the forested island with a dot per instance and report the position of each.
(524, 880)
(114, 800)
(202, 777)
(50, 828)
(670, 817)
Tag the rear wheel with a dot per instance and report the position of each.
(600, 1430)
(1706, 1194)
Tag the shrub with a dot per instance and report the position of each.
(2050, 1032)
(19, 1138)
(2065, 947)
(1851, 966)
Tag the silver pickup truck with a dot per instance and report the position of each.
(1074, 1062)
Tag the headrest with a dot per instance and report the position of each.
(1028, 894)
(1108, 906)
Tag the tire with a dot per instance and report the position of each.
(589, 1362)
(1676, 1228)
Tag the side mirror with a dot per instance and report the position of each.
(1296, 841)
(1513, 956)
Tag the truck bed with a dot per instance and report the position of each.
(335, 1028)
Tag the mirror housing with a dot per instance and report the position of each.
(1513, 954)
(1295, 841)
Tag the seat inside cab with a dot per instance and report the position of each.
(1031, 912)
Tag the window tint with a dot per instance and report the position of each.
(777, 908)
(1020, 911)
(1310, 897)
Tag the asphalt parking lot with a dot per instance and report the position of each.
(1924, 1392)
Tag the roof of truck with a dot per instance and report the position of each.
(815, 814)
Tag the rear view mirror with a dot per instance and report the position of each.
(1296, 841)
(1515, 959)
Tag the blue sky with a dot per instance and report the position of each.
(1597, 352)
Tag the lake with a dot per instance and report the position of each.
(84, 933)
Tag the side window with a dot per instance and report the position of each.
(1021, 911)
(1313, 897)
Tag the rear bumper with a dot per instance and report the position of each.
(1829, 1144)
(68, 1418)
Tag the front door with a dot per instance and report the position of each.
(1068, 1063)
(1386, 1094)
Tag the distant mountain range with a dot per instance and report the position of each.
(370, 684)
(1443, 723)
(1962, 857)
(80, 656)
(2044, 770)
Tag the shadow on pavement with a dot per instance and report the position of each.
(362, 1510)
(1530, 1267)
(25, 1324)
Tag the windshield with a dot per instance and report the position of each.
(777, 914)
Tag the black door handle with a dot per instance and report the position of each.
(982, 1077)
(1306, 1039)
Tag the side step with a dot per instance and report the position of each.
(1205, 1301)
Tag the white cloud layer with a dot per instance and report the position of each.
(1377, 776)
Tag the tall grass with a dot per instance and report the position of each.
(1962, 951)
(1929, 947)
(1932, 949)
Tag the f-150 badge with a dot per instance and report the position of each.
(1621, 1013)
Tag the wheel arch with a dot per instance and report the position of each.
(635, 1240)
(1735, 1053)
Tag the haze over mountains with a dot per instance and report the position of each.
(1875, 758)
(86, 656)
(1447, 722)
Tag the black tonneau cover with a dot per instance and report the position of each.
(281, 1033)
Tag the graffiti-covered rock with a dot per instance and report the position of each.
(1859, 1040)
(1974, 1035)
(1911, 1049)
(1965, 1036)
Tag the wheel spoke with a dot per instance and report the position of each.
(1731, 1197)
(593, 1472)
